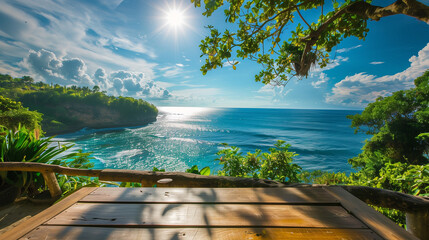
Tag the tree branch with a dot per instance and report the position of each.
(297, 10)
(410, 8)
(365, 10)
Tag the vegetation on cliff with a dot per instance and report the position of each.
(67, 109)
(13, 114)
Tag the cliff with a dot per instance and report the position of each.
(86, 116)
(69, 109)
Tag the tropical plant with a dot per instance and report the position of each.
(324, 177)
(155, 169)
(205, 171)
(24, 146)
(262, 24)
(275, 164)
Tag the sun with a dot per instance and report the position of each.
(175, 18)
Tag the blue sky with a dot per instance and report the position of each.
(128, 47)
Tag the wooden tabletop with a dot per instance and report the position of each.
(209, 213)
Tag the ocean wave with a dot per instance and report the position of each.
(184, 139)
(193, 127)
(99, 159)
(191, 140)
(90, 132)
(157, 135)
(127, 153)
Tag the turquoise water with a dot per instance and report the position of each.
(182, 137)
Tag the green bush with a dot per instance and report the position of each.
(13, 114)
(275, 165)
(324, 177)
(24, 146)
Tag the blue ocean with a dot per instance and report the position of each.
(185, 136)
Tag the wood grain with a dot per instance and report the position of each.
(227, 215)
(44, 216)
(53, 186)
(211, 195)
(373, 219)
(95, 233)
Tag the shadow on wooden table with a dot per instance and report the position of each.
(13, 214)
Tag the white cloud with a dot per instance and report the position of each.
(188, 84)
(343, 50)
(197, 92)
(8, 69)
(74, 30)
(323, 78)
(12, 49)
(165, 84)
(196, 96)
(333, 64)
(376, 63)
(186, 59)
(52, 69)
(361, 89)
(135, 84)
(111, 3)
(57, 70)
(230, 63)
(318, 73)
(179, 65)
(275, 94)
(124, 43)
(171, 71)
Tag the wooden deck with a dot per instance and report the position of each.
(209, 213)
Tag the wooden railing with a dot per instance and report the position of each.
(416, 208)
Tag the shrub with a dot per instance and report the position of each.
(275, 164)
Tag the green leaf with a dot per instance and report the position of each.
(205, 171)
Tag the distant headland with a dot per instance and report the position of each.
(69, 109)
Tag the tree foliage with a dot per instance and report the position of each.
(396, 123)
(13, 114)
(262, 25)
(397, 155)
(23, 145)
(275, 164)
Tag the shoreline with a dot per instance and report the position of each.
(76, 129)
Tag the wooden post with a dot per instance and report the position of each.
(418, 223)
(51, 181)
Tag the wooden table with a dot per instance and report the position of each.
(209, 213)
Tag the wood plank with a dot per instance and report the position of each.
(211, 195)
(373, 219)
(201, 215)
(95, 233)
(44, 216)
